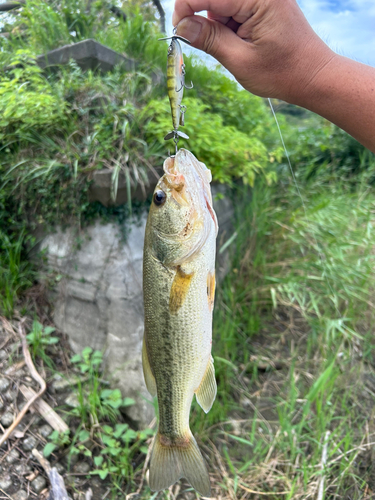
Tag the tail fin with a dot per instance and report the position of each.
(171, 462)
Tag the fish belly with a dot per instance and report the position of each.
(178, 343)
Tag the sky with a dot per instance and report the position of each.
(347, 26)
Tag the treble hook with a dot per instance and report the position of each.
(178, 37)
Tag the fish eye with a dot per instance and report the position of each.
(159, 197)
(170, 50)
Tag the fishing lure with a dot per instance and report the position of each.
(176, 85)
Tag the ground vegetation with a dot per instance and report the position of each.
(294, 318)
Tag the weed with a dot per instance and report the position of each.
(16, 273)
(95, 403)
(39, 339)
(290, 336)
(57, 439)
(120, 445)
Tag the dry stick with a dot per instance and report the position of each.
(45, 410)
(262, 492)
(35, 375)
(5, 493)
(322, 465)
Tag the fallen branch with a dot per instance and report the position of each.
(35, 375)
(57, 482)
(45, 410)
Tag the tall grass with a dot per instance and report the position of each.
(16, 273)
(293, 345)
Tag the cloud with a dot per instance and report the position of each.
(346, 25)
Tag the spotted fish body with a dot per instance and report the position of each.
(175, 80)
(178, 287)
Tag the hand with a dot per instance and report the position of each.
(268, 45)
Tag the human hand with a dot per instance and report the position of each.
(268, 45)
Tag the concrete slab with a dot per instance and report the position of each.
(89, 54)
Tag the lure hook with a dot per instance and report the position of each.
(176, 37)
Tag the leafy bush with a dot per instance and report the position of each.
(229, 153)
(27, 101)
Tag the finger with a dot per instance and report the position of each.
(220, 19)
(216, 39)
(224, 8)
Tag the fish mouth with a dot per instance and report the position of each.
(194, 172)
(188, 181)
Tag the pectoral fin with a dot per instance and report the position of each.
(211, 290)
(179, 289)
(206, 392)
(147, 373)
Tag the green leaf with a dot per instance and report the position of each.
(48, 330)
(120, 429)
(129, 435)
(98, 460)
(53, 340)
(107, 429)
(49, 449)
(103, 473)
(86, 351)
(83, 435)
(128, 402)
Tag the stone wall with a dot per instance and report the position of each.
(98, 301)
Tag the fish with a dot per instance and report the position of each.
(179, 292)
(176, 85)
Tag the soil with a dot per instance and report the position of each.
(21, 475)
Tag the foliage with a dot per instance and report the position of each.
(228, 152)
(16, 273)
(56, 439)
(322, 150)
(48, 26)
(121, 445)
(27, 101)
(95, 402)
(293, 343)
(39, 338)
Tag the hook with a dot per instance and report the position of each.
(174, 36)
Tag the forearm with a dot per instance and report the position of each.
(343, 91)
(273, 52)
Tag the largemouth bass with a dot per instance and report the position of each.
(178, 289)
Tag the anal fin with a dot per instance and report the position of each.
(206, 392)
(147, 373)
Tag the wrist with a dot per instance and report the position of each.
(311, 75)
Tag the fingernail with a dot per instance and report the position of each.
(189, 28)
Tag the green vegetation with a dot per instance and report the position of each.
(293, 342)
(58, 126)
(95, 403)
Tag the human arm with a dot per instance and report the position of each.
(271, 49)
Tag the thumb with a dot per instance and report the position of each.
(215, 39)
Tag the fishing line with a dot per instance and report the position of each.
(320, 253)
